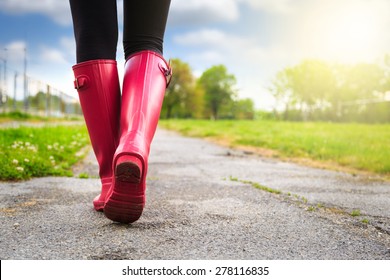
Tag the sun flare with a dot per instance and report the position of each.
(352, 33)
(348, 31)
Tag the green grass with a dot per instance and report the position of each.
(83, 175)
(364, 147)
(261, 187)
(27, 152)
(25, 117)
(355, 213)
(256, 185)
(20, 116)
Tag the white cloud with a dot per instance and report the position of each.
(203, 37)
(16, 46)
(15, 52)
(186, 12)
(271, 6)
(67, 46)
(57, 10)
(51, 55)
(190, 12)
(203, 59)
(243, 56)
(228, 46)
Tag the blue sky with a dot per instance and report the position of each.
(253, 38)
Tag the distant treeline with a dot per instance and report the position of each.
(43, 103)
(316, 90)
(313, 90)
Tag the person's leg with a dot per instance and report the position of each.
(146, 77)
(144, 25)
(95, 26)
(96, 80)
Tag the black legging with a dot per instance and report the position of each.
(95, 25)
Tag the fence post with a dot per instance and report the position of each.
(26, 94)
(2, 96)
(62, 103)
(15, 84)
(48, 101)
(5, 82)
(1, 89)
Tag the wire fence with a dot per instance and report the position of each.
(20, 92)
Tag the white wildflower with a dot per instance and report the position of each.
(26, 160)
(49, 147)
(32, 148)
(15, 161)
(19, 168)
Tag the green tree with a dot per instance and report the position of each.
(181, 97)
(281, 89)
(304, 87)
(358, 86)
(244, 109)
(218, 86)
(38, 101)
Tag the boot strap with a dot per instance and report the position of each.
(80, 82)
(167, 72)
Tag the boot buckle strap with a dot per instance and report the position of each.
(167, 72)
(80, 82)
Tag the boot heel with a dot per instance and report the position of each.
(126, 202)
(124, 211)
(127, 199)
(128, 169)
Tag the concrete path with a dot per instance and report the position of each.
(202, 203)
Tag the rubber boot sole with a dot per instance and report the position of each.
(127, 200)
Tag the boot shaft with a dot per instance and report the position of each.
(98, 88)
(145, 81)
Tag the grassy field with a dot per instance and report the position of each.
(27, 152)
(360, 147)
(23, 117)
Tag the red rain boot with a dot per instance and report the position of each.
(145, 79)
(97, 84)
